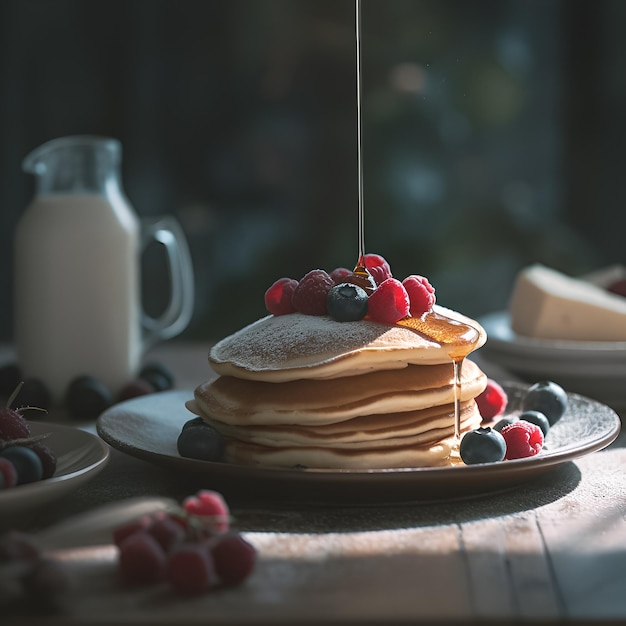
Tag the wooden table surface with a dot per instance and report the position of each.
(552, 550)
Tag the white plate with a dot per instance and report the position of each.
(593, 368)
(80, 456)
(147, 428)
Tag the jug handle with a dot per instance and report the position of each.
(178, 313)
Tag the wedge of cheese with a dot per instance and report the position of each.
(549, 305)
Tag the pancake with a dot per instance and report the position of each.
(365, 432)
(328, 458)
(310, 402)
(291, 347)
(300, 390)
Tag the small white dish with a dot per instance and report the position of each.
(593, 368)
(80, 456)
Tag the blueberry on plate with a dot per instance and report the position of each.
(503, 422)
(483, 445)
(548, 398)
(200, 441)
(26, 462)
(537, 418)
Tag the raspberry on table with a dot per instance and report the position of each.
(378, 267)
(142, 560)
(234, 558)
(309, 296)
(492, 401)
(278, 296)
(389, 303)
(210, 507)
(523, 439)
(421, 294)
(190, 570)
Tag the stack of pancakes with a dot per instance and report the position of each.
(301, 390)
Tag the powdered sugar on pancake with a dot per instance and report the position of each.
(289, 347)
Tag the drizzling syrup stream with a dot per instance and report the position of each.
(461, 338)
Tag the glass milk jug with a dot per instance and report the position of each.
(78, 248)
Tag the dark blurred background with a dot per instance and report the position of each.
(493, 134)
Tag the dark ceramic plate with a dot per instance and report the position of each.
(148, 427)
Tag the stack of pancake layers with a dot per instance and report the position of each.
(306, 391)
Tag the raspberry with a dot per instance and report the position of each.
(278, 296)
(120, 533)
(142, 559)
(166, 530)
(190, 569)
(47, 458)
(210, 507)
(389, 303)
(339, 274)
(309, 297)
(12, 425)
(523, 439)
(234, 559)
(377, 267)
(134, 389)
(492, 401)
(8, 474)
(421, 294)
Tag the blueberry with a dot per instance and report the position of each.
(537, 418)
(503, 422)
(87, 397)
(548, 398)
(200, 442)
(483, 445)
(26, 462)
(347, 302)
(159, 376)
(196, 421)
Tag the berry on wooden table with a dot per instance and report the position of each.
(190, 569)
(234, 558)
(142, 560)
(210, 508)
(87, 397)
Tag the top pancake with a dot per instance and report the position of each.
(297, 346)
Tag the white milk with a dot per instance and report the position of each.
(77, 308)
